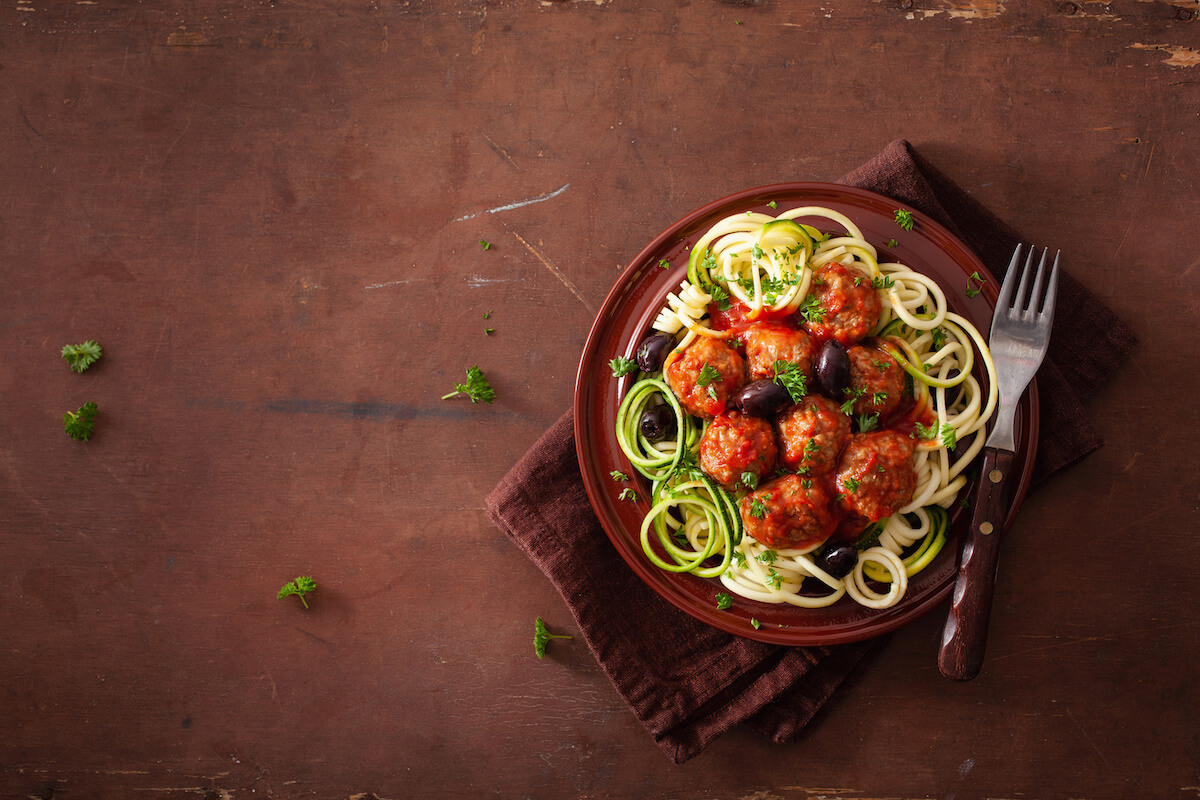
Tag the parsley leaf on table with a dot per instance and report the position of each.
(299, 587)
(82, 356)
(542, 637)
(80, 424)
(477, 387)
(622, 366)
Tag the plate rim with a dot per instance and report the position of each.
(657, 580)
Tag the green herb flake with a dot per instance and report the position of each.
(891, 243)
(486, 245)
(299, 587)
(477, 387)
(617, 475)
(750, 480)
(622, 366)
(664, 263)
(773, 204)
(949, 436)
(724, 601)
(755, 623)
(767, 557)
(80, 424)
(758, 509)
(628, 494)
(904, 218)
(791, 377)
(542, 637)
(81, 356)
(867, 422)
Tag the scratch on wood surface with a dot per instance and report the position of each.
(555, 270)
(500, 151)
(476, 281)
(1179, 56)
(958, 9)
(1083, 731)
(383, 46)
(541, 198)
(182, 37)
(387, 283)
(281, 37)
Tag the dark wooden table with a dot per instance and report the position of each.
(270, 215)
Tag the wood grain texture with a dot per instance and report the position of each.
(269, 215)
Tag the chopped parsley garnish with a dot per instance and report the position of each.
(708, 374)
(773, 204)
(939, 337)
(740, 558)
(756, 251)
(949, 436)
(851, 484)
(299, 587)
(891, 243)
(791, 377)
(848, 406)
(80, 424)
(486, 245)
(767, 557)
(488, 331)
(867, 422)
(477, 387)
(758, 509)
(774, 578)
(878, 398)
(806, 483)
(542, 637)
(973, 291)
(487, 314)
(755, 623)
(810, 447)
(724, 601)
(617, 475)
(664, 263)
(882, 282)
(925, 433)
(904, 218)
(622, 366)
(811, 310)
(750, 479)
(81, 356)
(720, 296)
(627, 494)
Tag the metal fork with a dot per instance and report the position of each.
(1019, 339)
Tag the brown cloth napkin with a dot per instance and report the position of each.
(687, 682)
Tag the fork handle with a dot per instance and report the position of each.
(965, 635)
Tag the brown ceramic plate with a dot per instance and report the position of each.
(625, 320)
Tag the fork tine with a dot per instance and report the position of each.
(1047, 315)
(1021, 302)
(1035, 297)
(1010, 278)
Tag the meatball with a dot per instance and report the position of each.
(789, 512)
(768, 342)
(875, 477)
(735, 444)
(876, 381)
(705, 376)
(849, 302)
(812, 434)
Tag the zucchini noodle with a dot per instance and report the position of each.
(765, 263)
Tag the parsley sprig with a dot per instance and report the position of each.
(542, 637)
(622, 366)
(791, 377)
(299, 587)
(477, 387)
(904, 218)
(82, 356)
(80, 424)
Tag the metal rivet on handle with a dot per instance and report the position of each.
(995, 476)
(985, 528)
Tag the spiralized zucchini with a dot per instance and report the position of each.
(766, 264)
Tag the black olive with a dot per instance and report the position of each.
(657, 423)
(831, 373)
(837, 560)
(653, 351)
(762, 398)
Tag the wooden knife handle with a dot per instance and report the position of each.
(965, 636)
